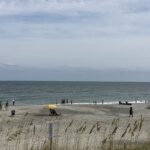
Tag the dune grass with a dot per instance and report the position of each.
(74, 136)
(97, 137)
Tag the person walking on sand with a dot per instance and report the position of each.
(131, 112)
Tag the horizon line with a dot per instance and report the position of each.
(72, 81)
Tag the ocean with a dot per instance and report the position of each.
(43, 92)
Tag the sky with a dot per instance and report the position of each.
(75, 40)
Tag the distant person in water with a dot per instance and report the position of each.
(6, 105)
(102, 101)
(63, 101)
(13, 101)
(94, 102)
(0, 105)
(131, 112)
(67, 101)
(71, 101)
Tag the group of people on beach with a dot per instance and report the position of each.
(66, 101)
(95, 102)
(6, 105)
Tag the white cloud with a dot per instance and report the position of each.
(72, 6)
(74, 18)
(45, 6)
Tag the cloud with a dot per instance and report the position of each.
(8, 66)
(73, 7)
(74, 18)
(43, 6)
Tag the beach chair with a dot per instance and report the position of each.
(53, 112)
(13, 113)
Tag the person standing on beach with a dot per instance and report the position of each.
(6, 105)
(13, 101)
(131, 112)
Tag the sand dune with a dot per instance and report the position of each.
(29, 127)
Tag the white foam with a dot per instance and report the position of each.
(108, 103)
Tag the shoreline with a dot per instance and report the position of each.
(85, 103)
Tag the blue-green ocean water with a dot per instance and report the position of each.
(79, 92)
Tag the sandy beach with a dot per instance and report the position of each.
(82, 124)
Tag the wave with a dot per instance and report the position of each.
(110, 103)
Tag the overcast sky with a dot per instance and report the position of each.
(100, 40)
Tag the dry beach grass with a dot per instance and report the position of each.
(80, 127)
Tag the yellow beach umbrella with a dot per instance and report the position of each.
(49, 106)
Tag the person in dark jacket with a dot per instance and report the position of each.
(131, 112)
